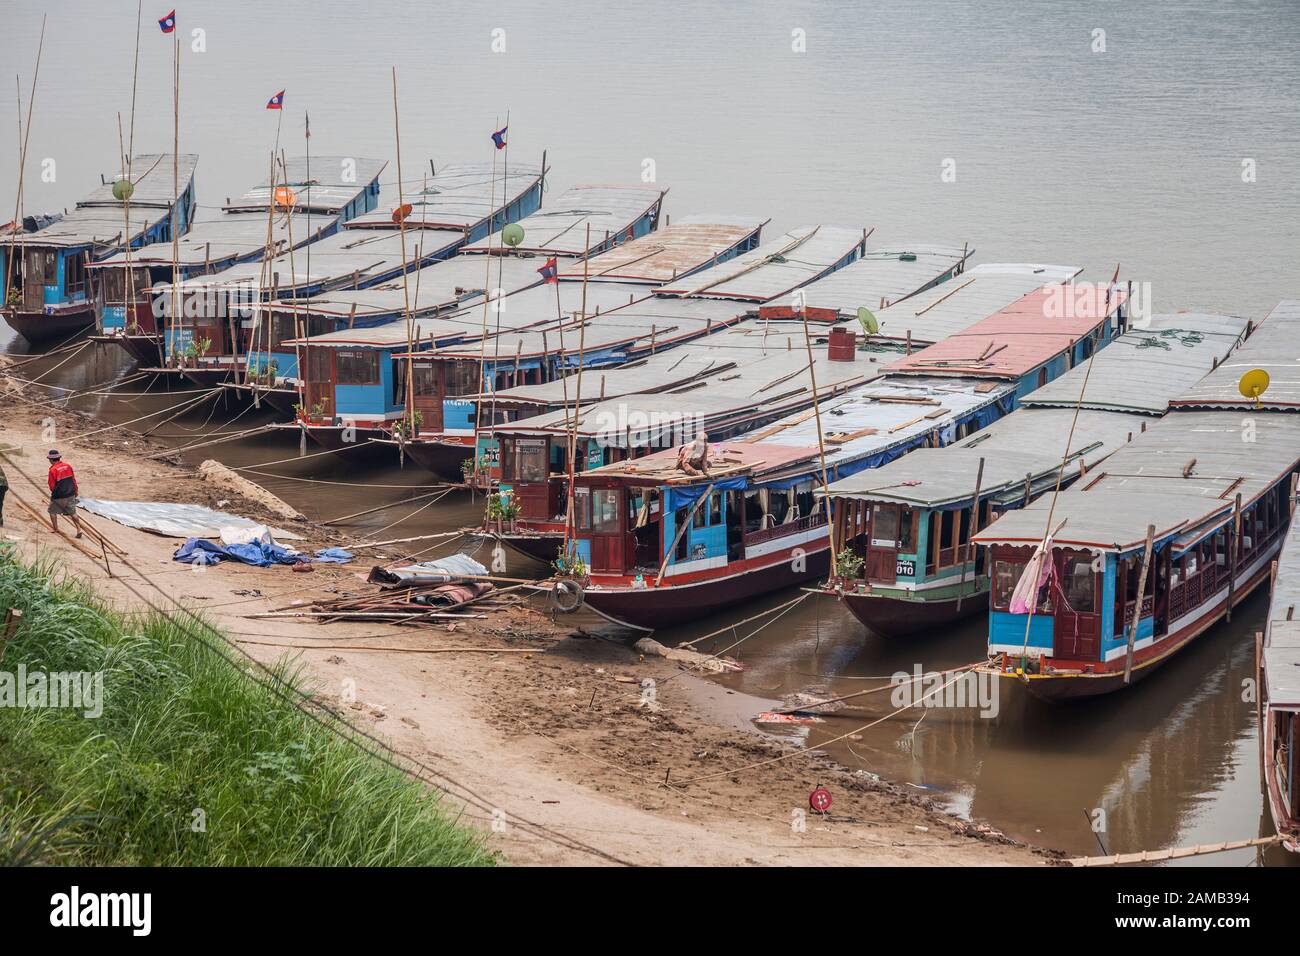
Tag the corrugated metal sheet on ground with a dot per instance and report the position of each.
(1274, 347)
(459, 197)
(882, 276)
(1142, 482)
(328, 186)
(174, 520)
(1144, 369)
(560, 226)
(775, 268)
(674, 250)
(1012, 342)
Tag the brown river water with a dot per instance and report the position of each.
(1063, 153)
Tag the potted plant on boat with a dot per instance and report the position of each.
(503, 509)
(848, 568)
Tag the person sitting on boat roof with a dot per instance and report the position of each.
(693, 457)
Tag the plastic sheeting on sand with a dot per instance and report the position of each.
(174, 520)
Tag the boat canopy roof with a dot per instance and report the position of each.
(1013, 341)
(1024, 443)
(1271, 347)
(459, 197)
(1282, 633)
(228, 236)
(727, 460)
(950, 307)
(885, 274)
(439, 286)
(730, 350)
(677, 249)
(97, 220)
(775, 268)
(1146, 368)
(1143, 483)
(698, 388)
(560, 227)
(319, 183)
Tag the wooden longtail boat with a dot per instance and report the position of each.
(1280, 692)
(928, 498)
(1173, 531)
(47, 285)
(458, 206)
(661, 547)
(730, 383)
(335, 190)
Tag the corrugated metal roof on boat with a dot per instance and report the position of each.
(333, 182)
(697, 389)
(335, 260)
(229, 236)
(1271, 347)
(98, 220)
(738, 350)
(739, 458)
(957, 304)
(1284, 607)
(677, 249)
(1142, 482)
(882, 414)
(459, 197)
(774, 268)
(1013, 341)
(1282, 632)
(1024, 443)
(1146, 368)
(883, 276)
(560, 226)
(156, 182)
(440, 285)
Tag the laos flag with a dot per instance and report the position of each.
(168, 23)
(276, 102)
(499, 137)
(550, 272)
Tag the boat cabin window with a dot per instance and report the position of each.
(604, 510)
(462, 378)
(708, 513)
(283, 328)
(1078, 583)
(113, 284)
(74, 273)
(529, 460)
(318, 365)
(907, 522)
(1005, 576)
(41, 266)
(884, 525)
(581, 508)
(357, 367)
(425, 384)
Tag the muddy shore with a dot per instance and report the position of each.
(550, 727)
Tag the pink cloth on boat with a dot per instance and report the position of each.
(1035, 575)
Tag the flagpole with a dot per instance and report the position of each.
(505, 215)
(570, 528)
(128, 287)
(176, 175)
(22, 163)
(406, 282)
(487, 299)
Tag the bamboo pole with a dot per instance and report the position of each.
(1137, 608)
(22, 161)
(974, 528)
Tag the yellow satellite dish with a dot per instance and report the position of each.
(1254, 384)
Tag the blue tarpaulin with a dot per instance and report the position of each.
(203, 551)
(686, 496)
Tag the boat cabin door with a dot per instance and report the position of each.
(608, 547)
(882, 545)
(1075, 591)
(320, 383)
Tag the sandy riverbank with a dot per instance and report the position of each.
(558, 735)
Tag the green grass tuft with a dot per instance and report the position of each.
(185, 729)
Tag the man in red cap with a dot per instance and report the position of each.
(63, 492)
